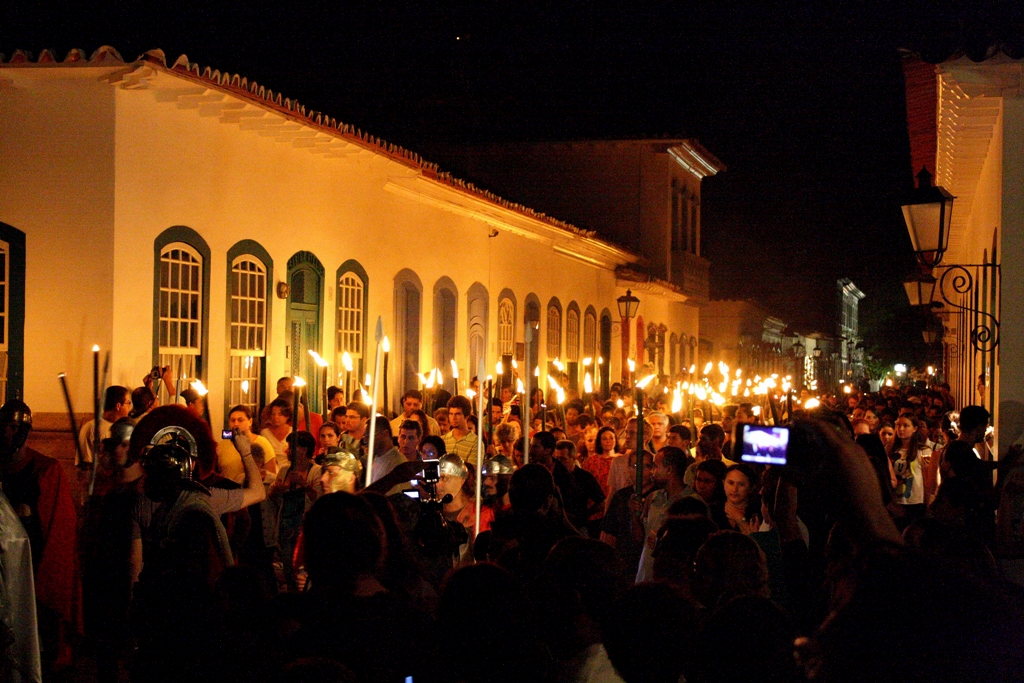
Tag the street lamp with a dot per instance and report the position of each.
(927, 212)
(799, 349)
(628, 305)
(817, 352)
(920, 289)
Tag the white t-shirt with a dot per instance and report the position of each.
(911, 475)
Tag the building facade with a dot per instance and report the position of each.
(966, 125)
(180, 216)
(643, 194)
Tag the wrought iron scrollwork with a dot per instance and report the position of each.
(960, 282)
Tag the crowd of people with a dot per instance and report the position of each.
(889, 545)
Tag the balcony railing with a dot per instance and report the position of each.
(691, 273)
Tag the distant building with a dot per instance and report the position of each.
(849, 346)
(744, 335)
(642, 194)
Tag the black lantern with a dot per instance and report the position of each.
(798, 349)
(628, 305)
(817, 352)
(920, 290)
(927, 212)
(931, 335)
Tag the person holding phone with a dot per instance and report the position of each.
(230, 460)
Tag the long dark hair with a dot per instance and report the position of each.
(914, 444)
(597, 441)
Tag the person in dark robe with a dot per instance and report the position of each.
(40, 494)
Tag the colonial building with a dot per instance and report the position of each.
(643, 194)
(966, 125)
(177, 215)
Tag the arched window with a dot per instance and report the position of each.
(350, 324)
(306, 277)
(248, 321)
(12, 316)
(531, 319)
(445, 326)
(554, 329)
(180, 312)
(408, 308)
(506, 327)
(478, 311)
(590, 334)
(606, 352)
(572, 333)
(673, 342)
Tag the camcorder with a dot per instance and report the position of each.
(434, 534)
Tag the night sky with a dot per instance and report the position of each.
(802, 101)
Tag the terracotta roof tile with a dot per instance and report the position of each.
(250, 90)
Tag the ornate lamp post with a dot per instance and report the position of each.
(628, 305)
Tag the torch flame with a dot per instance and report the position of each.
(455, 369)
(346, 361)
(199, 388)
(296, 382)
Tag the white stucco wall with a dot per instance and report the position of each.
(57, 186)
(99, 171)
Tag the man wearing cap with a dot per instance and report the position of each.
(340, 471)
(40, 494)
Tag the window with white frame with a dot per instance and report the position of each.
(506, 327)
(248, 331)
(554, 332)
(180, 309)
(351, 290)
(572, 335)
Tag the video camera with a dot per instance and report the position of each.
(434, 534)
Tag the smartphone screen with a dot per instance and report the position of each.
(227, 434)
(412, 494)
(764, 445)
